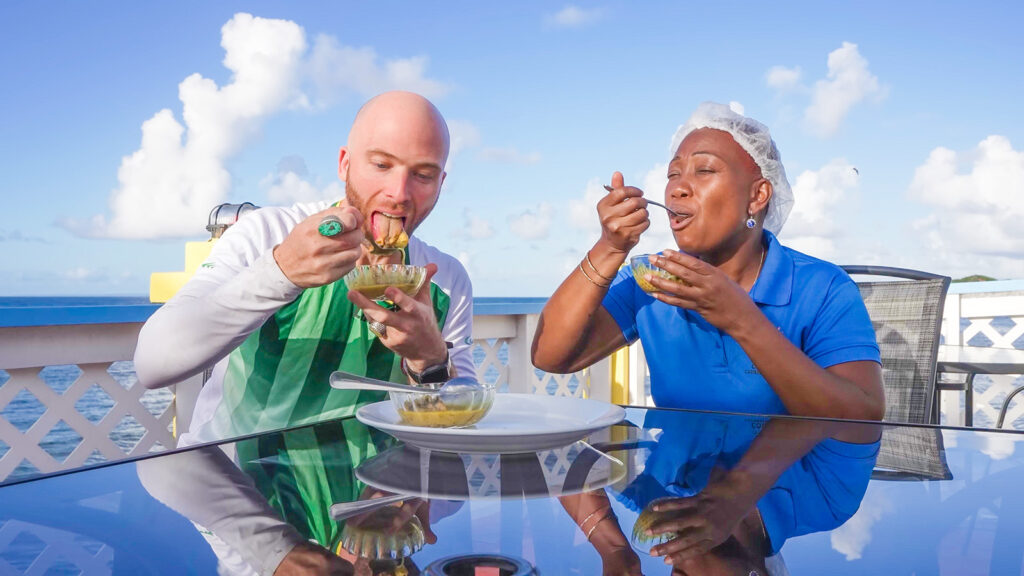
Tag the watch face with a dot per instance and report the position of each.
(435, 374)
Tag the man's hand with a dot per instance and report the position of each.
(308, 558)
(704, 288)
(411, 327)
(623, 214)
(310, 259)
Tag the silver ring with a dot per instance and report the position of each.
(377, 328)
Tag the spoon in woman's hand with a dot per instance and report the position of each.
(669, 210)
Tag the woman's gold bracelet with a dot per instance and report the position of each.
(608, 514)
(591, 280)
(596, 271)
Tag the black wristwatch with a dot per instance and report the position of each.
(436, 374)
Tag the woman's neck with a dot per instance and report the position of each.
(742, 263)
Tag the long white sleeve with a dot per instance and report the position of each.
(231, 296)
(206, 487)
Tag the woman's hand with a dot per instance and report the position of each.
(702, 522)
(623, 214)
(704, 288)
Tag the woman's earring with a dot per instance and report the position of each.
(751, 222)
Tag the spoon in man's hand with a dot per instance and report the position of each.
(669, 210)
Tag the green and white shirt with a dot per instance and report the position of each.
(275, 344)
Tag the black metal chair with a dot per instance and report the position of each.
(907, 317)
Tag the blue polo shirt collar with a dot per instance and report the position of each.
(774, 286)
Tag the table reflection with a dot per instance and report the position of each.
(718, 494)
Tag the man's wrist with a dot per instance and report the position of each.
(430, 371)
(438, 357)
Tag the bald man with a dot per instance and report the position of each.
(268, 310)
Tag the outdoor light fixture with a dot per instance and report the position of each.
(224, 215)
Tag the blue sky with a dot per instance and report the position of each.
(545, 101)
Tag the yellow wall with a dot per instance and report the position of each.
(163, 285)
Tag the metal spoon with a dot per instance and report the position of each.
(346, 381)
(344, 510)
(450, 389)
(669, 210)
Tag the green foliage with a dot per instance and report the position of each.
(975, 278)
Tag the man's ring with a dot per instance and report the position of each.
(378, 328)
(330, 225)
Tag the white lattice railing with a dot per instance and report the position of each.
(993, 318)
(52, 378)
(70, 396)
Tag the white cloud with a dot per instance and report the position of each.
(336, 69)
(998, 447)
(532, 224)
(462, 136)
(782, 78)
(975, 200)
(583, 211)
(168, 186)
(573, 17)
(475, 228)
(737, 107)
(289, 187)
(848, 83)
(811, 227)
(852, 537)
(508, 156)
(659, 236)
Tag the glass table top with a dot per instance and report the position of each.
(732, 494)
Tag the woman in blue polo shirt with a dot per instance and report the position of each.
(754, 326)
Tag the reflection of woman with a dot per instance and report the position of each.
(754, 326)
(731, 492)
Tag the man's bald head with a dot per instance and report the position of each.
(404, 115)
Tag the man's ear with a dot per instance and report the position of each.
(344, 161)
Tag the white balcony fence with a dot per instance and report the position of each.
(68, 396)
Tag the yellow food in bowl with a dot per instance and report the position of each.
(443, 418)
(640, 270)
(372, 279)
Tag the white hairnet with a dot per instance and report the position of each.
(753, 137)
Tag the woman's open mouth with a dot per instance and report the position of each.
(681, 221)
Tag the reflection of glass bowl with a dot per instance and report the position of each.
(371, 279)
(641, 265)
(455, 405)
(378, 538)
(643, 541)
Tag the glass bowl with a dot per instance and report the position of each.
(641, 265)
(370, 280)
(383, 536)
(461, 402)
(641, 540)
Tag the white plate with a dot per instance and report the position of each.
(516, 423)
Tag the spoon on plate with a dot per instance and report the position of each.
(345, 510)
(659, 204)
(345, 381)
